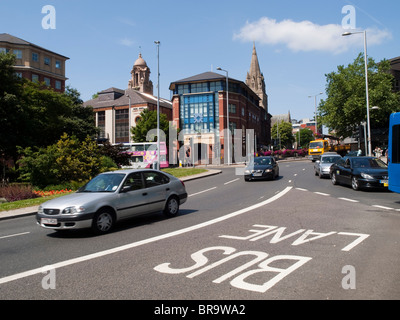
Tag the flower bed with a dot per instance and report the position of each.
(51, 192)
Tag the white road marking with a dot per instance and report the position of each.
(322, 194)
(301, 189)
(14, 235)
(142, 242)
(231, 181)
(195, 194)
(350, 200)
(383, 207)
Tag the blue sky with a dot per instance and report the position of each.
(297, 42)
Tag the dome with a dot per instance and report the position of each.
(140, 61)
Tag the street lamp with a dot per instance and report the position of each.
(129, 118)
(227, 113)
(315, 101)
(158, 104)
(366, 85)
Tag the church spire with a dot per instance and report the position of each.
(255, 79)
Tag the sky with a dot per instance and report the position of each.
(297, 42)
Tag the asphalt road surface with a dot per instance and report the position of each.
(295, 238)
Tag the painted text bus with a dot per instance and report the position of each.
(394, 152)
(144, 155)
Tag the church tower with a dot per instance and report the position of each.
(140, 79)
(255, 80)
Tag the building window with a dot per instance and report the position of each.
(121, 125)
(197, 113)
(47, 61)
(35, 78)
(19, 74)
(101, 123)
(58, 64)
(18, 53)
(47, 81)
(58, 85)
(232, 108)
(4, 50)
(35, 57)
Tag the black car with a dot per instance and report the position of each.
(261, 168)
(360, 172)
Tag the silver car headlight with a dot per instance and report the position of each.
(268, 170)
(73, 210)
(40, 210)
(366, 176)
(247, 172)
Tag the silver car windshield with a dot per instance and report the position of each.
(330, 159)
(103, 183)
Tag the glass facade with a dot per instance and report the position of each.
(199, 105)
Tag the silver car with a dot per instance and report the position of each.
(111, 197)
(323, 165)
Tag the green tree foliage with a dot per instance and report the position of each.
(286, 137)
(67, 160)
(33, 115)
(345, 108)
(305, 135)
(147, 122)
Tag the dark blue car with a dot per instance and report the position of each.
(360, 172)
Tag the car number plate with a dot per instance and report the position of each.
(385, 183)
(49, 221)
(258, 174)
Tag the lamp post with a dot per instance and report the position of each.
(315, 101)
(366, 85)
(227, 114)
(129, 118)
(158, 104)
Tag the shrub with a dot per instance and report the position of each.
(15, 192)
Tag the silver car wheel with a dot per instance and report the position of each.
(103, 222)
(172, 207)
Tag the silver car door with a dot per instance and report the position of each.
(132, 197)
(157, 188)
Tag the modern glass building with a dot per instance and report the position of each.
(200, 111)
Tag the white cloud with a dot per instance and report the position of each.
(306, 36)
(126, 42)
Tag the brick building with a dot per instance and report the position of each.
(200, 112)
(35, 63)
(111, 106)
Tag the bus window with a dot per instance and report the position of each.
(395, 144)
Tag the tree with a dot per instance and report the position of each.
(70, 159)
(147, 122)
(345, 107)
(285, 134)
(306, 135)
(33, 115)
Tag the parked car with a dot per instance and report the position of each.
(360, 172)
(322, 166)
(111, 197)
(261, 168)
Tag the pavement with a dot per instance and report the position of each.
(33, 210)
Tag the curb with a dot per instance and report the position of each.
(29, 211)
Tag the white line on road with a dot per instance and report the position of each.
(350, 200)
(382, 207)
(142, 242)
(195, 194)
(322, 194)
(231, 181)
(14, 235)
(301, 189)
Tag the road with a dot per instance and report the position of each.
(298, 237)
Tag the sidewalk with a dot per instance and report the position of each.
(32, 210)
